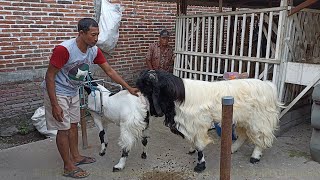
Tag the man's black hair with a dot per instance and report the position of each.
(85, 24)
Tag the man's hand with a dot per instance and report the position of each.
(57, 113)
(134, 91)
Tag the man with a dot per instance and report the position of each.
(69, 64)
(160, 54)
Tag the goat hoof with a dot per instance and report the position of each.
(102, 153)
(254, 160)
(191, 152)
(116, 169)
(144, 155)
(200, 167)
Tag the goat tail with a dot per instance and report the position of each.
(268, 116)
(274, 95)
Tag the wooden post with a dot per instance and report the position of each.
(226, 137)
(304, 4)
(83, 121)
(182, 7)
(220, 5)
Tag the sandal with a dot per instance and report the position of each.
(85, 160)
(76, 173)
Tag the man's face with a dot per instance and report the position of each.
(164, 41)
(90, 37)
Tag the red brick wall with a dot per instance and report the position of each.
(29, 29)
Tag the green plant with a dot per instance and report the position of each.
(23, 128)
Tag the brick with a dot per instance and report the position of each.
(23, 13)
(6, 52)
(14, 65)
(56, 14)
(41, 67)
(5, 44)
(24, 4)
(9, 48)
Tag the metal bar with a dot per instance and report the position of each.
(256, 71)
(250, 42)
(197, 46)
(265, 73)
(202, 43)
(243, 29)
(275, 9)
(252, 59)
(234, 45)
(214, 43)
(192, 35)
(187, 47)
(220, 43)
(183, 29)
(176, 62)
(83, 121)
(312, 83)
(282, 52)
(226, 137)
(226, 61)
(208, 47)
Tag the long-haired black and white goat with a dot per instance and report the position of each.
(190, 106)
(124, 109)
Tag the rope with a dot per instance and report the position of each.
(93, 90)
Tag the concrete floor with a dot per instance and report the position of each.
(289, 158)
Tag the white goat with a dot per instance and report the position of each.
(190, 106)
(124, 109)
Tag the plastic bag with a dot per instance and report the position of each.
(109, 24)
(39, 121)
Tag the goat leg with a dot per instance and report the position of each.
(103, 144)
(201, 165)
(122, 162)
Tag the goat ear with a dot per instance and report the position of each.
(155, 91)
(155, 100)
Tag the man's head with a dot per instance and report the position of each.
(164, 37)
(88, 31)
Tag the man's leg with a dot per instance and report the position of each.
(62, 141)
(74, 113)
(74, 148)
(62, 138)
(73, 139)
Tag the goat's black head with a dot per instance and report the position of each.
(162, 89)
(148, 84)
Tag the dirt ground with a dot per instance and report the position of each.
(19, 139)
(32, 136)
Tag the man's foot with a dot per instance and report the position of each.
(76, 173)
(85, 160)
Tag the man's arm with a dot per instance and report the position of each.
(57, 112)
(117, 78)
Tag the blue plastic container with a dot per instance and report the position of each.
(218, 130)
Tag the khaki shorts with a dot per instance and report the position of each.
(71, 112)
